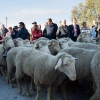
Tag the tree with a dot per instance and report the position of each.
(86, 12)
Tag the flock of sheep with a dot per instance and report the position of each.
(50, 62)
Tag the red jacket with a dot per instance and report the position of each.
(36, 34)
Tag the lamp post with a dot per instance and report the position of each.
(6, 21)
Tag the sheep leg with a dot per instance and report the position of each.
(38, 93)
(32, 85)
(7, 78)
(19, 86)
(4, 70)
(14, 79)
(10, 82)
(48, 93)
(63, 90)
(27, 88)
(1, 73)
(52, 92)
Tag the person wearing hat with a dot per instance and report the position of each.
(34, 23)
(15, 30)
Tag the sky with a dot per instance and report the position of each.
(28, 11)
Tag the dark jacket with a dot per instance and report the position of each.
(23, 33)
(14, 35)
(71, 30)
(50, 31)
(63, 31)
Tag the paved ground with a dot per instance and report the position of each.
(6, 93)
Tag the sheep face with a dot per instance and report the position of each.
(64, 44)
(8, 43)
(42, 46)
(67, 66)
(54, 47)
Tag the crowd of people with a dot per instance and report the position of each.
(51, 30)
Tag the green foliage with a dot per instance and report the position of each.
(86, 12)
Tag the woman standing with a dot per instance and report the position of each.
(36, 33)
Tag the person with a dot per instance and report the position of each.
(36, 33)
(85, 29)
(34, 23)
(4, 30)
(15, 30)
(74, 30)
(46, 23)
(93, 29)
(23, 32)
(63, 30)
(98, 26)
(50, 30)
(39, 27)
(10, 33)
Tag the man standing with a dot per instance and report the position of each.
(23, 32)
(63, 30)
(4, 30)
(50, 30)
(74, 30)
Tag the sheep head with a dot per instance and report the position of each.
(54, 46)
(66, 64)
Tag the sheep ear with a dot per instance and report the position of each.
(36, 46)
(49, 44)
(76, 58)
(58, 64)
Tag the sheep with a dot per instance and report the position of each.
(85, 45)
(40, 66)
(18, 42)
(67, 39)
(87, 65)
(11, 55)
(64, 44)
(42, 45)
(7, 44)
(42, 38)
(97, 40)
(95, 70)
(54, 46)
(84, 37)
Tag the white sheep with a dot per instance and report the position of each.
(85, 45)
(54, 46)
(41, 67)
(7, 44)
(84, 37)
